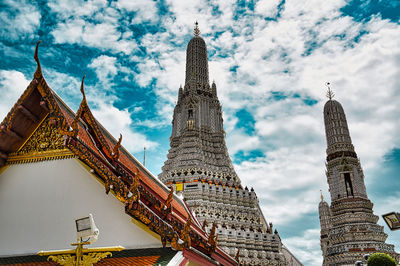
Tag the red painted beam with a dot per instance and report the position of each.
(12, 134)
(27, 113)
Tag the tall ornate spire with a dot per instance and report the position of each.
(336, 128)
(198, 165)
(350, 216)
(196, 60)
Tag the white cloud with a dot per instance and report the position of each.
(146, 10)
(119, 121)
(12, 85)
(76, 8)
(105, 68)
(239, 141)
(286, 175)
(102, 35)
(267, 8)
(21, 20)
(306, 247)
(68, 87)
(104, 30)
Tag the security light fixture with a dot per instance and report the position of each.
(392, 219)
(85, 228)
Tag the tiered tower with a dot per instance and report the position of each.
(199, 166)
(349, 228)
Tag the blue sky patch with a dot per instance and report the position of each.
(362, 10)
(278, 96)
(245, 121)
(252, 155)
(385, 180)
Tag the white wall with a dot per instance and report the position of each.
(39, 201)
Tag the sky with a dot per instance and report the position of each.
(270, 60)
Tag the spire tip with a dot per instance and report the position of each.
(330, 93)
(196, 29)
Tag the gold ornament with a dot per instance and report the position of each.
(45, 143)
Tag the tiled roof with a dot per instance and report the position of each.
(131, 261)
(130, 257)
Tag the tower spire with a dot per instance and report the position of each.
(344, 220)
(198, 164)
(196, 29)
(196, 61)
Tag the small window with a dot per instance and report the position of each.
(349, 185)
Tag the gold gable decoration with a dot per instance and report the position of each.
(45, 143)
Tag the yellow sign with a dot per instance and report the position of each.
(179, 187)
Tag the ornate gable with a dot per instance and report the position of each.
(45, 143)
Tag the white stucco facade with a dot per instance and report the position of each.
(39, 201)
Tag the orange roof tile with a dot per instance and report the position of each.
(128, 261)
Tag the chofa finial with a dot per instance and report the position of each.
(38, 71)
(82, 90)
(330, 93)
(196, 29)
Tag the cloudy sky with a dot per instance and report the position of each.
(270, 60)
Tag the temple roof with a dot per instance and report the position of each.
(131, 257)
(146, 198)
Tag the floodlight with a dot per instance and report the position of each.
(392, 219)
(86, 228)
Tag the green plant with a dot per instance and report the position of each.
(381, 259)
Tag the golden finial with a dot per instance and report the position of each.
(196, 29)
(330, 93)
(322, 196)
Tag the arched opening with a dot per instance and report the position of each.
(349, 185)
